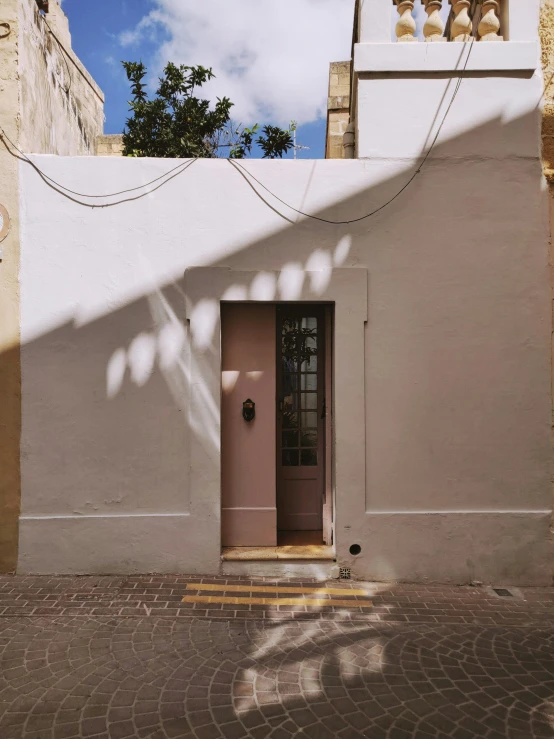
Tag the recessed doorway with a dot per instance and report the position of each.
(276, 423)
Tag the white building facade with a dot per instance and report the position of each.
(431, 409)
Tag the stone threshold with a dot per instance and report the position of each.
(272, 554)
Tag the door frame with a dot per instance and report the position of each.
(205, 288)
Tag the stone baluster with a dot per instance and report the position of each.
(434, 27)
(490, 25)
(406, 25)
(461, 27)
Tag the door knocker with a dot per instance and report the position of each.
(248, 410)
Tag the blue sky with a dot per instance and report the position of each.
(270, 58)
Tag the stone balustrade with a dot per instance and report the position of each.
(487, 19)
(489, 26)
(433, 29)
(406, 25)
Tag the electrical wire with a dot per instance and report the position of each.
(182, 166)
(68, 88)
(77, 67)
(246, 173)
(23, 157)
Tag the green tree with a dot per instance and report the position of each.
(178, 124)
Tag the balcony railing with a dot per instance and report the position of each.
(469, 19)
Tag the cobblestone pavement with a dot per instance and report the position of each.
(120, 657)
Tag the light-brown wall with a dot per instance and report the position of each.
(547, 44)
(338, 108)
(10, 371)
(110, 145)
(62, 107)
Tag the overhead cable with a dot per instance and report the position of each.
(182, 166)
(247, 173)
(67, 192)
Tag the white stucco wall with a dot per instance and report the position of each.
(456, 360)
(120, 445)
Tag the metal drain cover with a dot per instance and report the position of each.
(503, 592)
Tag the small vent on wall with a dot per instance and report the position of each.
(345, 573)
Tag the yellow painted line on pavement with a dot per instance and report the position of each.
(220, 587)
(233, 600)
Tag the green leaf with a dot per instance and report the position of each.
(177, 123)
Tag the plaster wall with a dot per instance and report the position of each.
(49, 104)
(418, 82)
(62, 108)
(444, 439)
(387, 99)
(442, 374)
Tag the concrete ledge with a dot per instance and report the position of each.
(306, 570)
(311, 552)
(502, 56)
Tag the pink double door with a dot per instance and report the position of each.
(276, 468)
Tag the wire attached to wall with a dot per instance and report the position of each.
(182, 166)
(68, 193)
(246, 173)
(67, 56)
(68, 88)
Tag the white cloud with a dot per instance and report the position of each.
(271, 57)
(146, 27)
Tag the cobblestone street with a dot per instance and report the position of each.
(116, 657)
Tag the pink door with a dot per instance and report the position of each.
(301, 417)
(249, 516)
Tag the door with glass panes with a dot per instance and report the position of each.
(301, 414)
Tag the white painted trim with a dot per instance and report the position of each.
(523, 19)
(451, 57)
(463, 512)
(85, 516)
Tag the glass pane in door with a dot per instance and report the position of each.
(299, 391)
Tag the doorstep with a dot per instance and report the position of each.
(272, 554)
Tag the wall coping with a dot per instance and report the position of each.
(501, 56)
